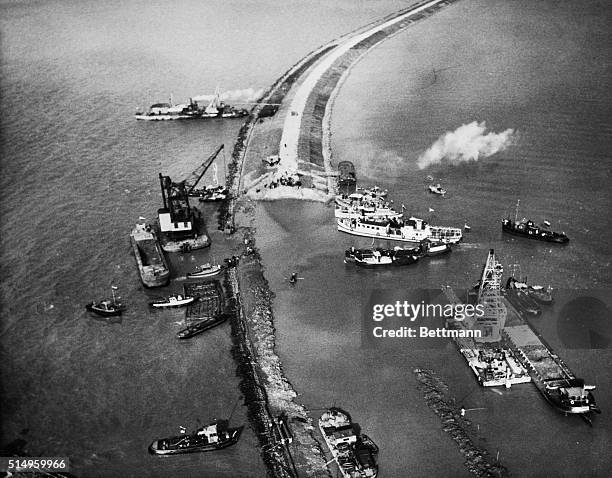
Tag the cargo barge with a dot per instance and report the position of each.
(152, 265)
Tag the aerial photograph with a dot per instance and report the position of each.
(305, 238)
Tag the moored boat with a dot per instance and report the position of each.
(569, 395)
(541, 294)
(150, 259)
(214, 436)
(408, 230)
(347, 179)
(354, 452)
(516, 293)
(200, 326)
(206, 270)
(172, 301)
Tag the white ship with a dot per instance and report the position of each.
(410, 230)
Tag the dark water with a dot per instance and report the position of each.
(541, 69)
(77, 172)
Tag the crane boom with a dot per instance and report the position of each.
(192, 181)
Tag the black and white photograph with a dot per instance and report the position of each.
(305, 238)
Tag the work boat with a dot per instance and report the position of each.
(172, 301)
(410, 230)
(528, 228)
(211, 437)
(354, 453)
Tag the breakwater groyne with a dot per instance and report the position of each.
(266, 390)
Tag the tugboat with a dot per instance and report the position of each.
(200, 326)
(354, 453)
(211, 437)
(528, 228)
(172, 301)
(106, 308)
(206, 270)
(570, 395)
(431, 249)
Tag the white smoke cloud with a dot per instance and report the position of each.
(247, 95)
(467, 143)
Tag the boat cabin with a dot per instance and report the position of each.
(210, 432)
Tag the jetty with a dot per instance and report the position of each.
(291, 122)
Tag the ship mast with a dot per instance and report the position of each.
(516, 211)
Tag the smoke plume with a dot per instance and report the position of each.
(247, 95)
(467, 143)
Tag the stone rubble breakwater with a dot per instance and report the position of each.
(267, 391)
(437, 397)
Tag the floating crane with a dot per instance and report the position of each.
(192, 181)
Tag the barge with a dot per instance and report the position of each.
(152, 265)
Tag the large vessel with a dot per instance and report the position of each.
(152, 265)
(354, 453)
(170, 111)
(409, 230)
(181, 226)
(528, 228)
(211, 437)
(347, 179)
(553, 378)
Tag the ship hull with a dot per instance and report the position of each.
(547, 237)
(150, 259)
(157, 447)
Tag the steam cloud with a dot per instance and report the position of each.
(248, 95)
(467, 143)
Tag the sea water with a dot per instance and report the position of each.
(541, 70)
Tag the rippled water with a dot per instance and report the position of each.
(77, 172)
(538, 68)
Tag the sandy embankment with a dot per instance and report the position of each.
(299, 134)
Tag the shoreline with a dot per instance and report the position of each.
(263, 379)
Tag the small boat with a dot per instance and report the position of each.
(354, 453)
(294, 278)
(206, 270)
(516, 293)
(381, 257)
(347, 180)
(106, 307)
(200, 326)
(172, 301)
(467, 227)
(546, 223)
(211, 437)
(431, 249)
(541, 294)
(437, 189)
(529, 229)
